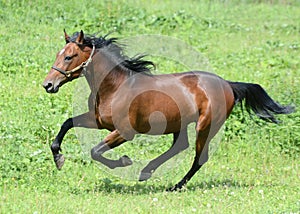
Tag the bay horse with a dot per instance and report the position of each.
(126, 99)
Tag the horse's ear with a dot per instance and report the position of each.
(80, 37)
(67, 37)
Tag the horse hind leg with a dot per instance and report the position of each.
(111, 141)
(205, 132)
(201, 157)
(180, 143)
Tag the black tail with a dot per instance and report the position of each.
(257, 99)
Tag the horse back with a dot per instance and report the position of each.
(161, 104)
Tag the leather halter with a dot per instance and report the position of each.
(82, 65)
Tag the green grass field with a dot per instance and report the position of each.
(256, 166)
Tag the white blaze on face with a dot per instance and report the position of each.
(62, 51)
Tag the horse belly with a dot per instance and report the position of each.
(162, 112)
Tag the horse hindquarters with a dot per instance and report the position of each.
(214, 111)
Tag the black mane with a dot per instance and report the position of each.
(135, 64)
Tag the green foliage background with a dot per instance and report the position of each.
(256, 167)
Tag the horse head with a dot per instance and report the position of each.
(70, 62)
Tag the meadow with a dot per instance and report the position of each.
(255, 168)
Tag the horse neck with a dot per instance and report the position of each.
(105, 76)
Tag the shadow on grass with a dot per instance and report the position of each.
(108, 186)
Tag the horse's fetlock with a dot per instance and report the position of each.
(55, 147)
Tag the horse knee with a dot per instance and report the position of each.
(94, 153)
(68, 124)
(184, 146)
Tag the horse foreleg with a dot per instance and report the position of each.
(86, 120)
(111, 141)
(180, 143)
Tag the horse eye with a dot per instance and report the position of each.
(68, 58)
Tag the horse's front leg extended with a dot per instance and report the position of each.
(86, 120)
(111, 141)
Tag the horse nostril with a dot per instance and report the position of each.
(47, 85)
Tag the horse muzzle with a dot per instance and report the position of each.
(50, 87)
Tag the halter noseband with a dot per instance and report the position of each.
(82, 65)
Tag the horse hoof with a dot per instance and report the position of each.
(145, 176)
(59, 161)
(126, 161)
(171, 189)
(174, 188)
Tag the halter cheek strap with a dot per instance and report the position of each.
(81, 66)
